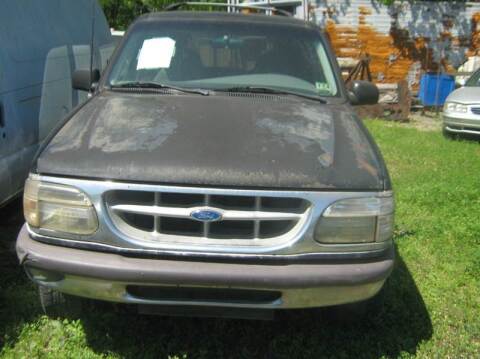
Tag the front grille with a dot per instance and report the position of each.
(476, 110)
(166, 216)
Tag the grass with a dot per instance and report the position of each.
(432, 299)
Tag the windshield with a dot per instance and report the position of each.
(221, 56)
(474, 80)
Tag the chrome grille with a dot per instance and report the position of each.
(476, 110)
(166, 216)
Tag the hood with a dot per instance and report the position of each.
(466, 95)
(219, 140)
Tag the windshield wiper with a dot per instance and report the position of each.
(156, 85)
(269, 90)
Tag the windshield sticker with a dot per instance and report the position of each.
(156, 53)
(322, 87)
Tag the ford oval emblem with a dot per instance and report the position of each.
(206, 215)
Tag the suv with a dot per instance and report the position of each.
(218, 168)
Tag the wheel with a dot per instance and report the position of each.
(58, 305)
(354, 312)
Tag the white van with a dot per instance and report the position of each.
(41, 44)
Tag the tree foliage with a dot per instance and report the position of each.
(120, 13)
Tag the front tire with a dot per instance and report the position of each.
(58, 305)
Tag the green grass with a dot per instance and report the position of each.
(432, 299)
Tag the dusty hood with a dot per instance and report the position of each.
(219, 140)
(465, 95)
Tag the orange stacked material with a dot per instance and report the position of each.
(393, 55)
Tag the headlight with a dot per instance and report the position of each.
(455, 107)
(58, 208)
(357, 220)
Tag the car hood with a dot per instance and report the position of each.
(465, 95)
(219, 140)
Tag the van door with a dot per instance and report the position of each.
(6, 181)
(4, 186)
(3, 133)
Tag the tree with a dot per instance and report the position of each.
(120, 13)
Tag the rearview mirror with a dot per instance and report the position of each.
(363, 93)
(84, 80)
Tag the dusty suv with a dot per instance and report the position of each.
(218, 168)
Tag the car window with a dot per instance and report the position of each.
(219, 56)
(474, 80)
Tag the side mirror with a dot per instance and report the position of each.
(363, 93)
(85, 80)
(461, 81)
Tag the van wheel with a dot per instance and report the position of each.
(58, 305)
(354, 312)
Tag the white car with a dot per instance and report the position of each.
(461, 112)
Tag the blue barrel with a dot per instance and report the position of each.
(434, 89)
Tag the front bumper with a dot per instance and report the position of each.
(469, 124)
(110, 277)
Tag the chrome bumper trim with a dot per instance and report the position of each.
(454, 130)
(240, 257)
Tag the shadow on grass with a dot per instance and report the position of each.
(403, 324)
(18, 299)
(464, 137)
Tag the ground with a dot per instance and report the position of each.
(432, 298)
(425, 121)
